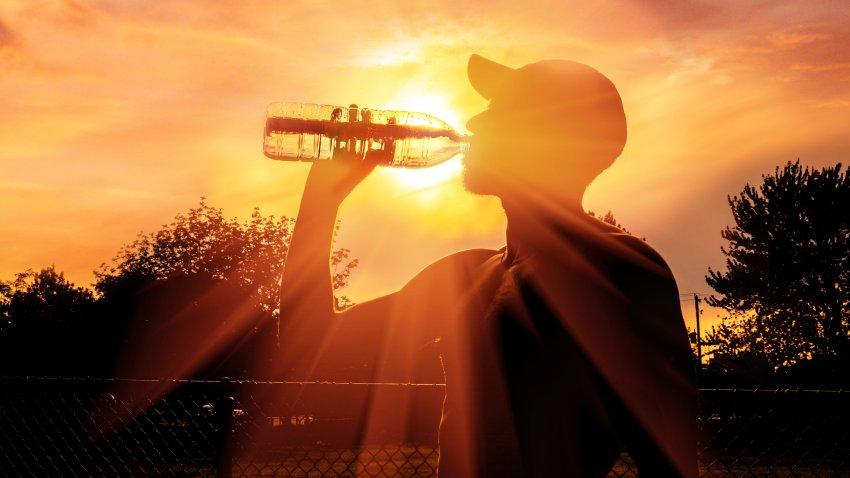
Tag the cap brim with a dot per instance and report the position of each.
(487, 76)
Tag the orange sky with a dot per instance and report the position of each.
(116, 115)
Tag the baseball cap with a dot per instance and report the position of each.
(560, 96)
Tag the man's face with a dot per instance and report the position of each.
(551, 127)
(508, 150)
(494, 152)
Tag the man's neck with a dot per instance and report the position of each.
(528, 226)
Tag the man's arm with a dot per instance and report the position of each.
(382, 338)
(307, 306)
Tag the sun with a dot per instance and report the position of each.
(436, 105)
(433, 104)
(427, 177)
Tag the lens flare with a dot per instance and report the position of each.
(427, 177)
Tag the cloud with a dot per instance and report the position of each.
(7, 36)
(132, 109)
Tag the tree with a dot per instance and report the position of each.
(787, 280)
(608, 218)
(204, 242)
(199, 297)
(42, 299)
(5, 314)
(45, 323)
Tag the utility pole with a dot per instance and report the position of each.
(699, 337)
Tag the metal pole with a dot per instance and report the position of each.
(699, 336)
(224, 424)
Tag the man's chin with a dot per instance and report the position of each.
(474, 184)
(481, 182)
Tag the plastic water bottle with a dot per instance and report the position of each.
(311, 132)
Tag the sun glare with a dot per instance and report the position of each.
(432, 104)
(427, 177)
(437, 106)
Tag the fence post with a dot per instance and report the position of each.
(224, 406)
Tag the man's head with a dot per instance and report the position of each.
(553, 125)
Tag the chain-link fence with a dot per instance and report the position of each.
(782, 433)
(129, 428)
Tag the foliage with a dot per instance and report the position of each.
(196, 298)
(204, 242)
(36, 299)
(787, 280)
(608, 218)
(48, 308)
(5, 300)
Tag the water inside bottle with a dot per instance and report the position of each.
(297, 131)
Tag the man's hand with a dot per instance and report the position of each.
(335, 179)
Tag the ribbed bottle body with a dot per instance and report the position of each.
(312, 132)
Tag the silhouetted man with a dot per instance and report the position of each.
(559, 350)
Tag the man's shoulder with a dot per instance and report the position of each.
(642, 248)
(469, 259)
(625, 252)
(472, 256)
(455, 268)
(618, 241)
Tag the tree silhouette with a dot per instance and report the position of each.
(204, 242)
(608, 218)
(786, 284)
(199, 297)
(201, 282)
(56, 317)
